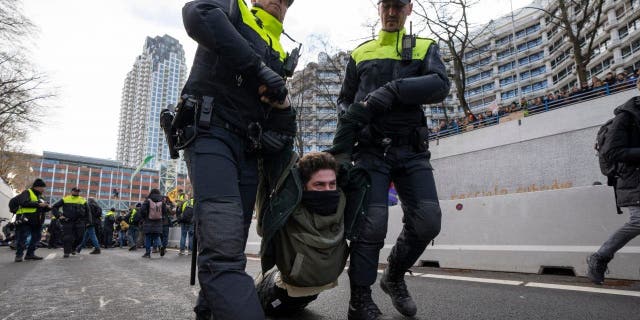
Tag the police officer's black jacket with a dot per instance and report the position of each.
(232, 43)
(625, 150)
(377, 62)
(74, 208)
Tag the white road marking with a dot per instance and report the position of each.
(50, 256)
(583, 289)
(51, 309)
(103, 303)
(470, 279)
(132, 299)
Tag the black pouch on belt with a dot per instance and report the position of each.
(421, 139)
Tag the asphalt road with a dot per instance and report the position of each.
(119, 284)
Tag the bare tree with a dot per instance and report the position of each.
(580, 21)
(449, 24)
(22, 88)
(316, 87)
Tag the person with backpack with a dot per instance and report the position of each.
(618, 145)
(122, 227)
(185, 213)
(74, 216)
(29, 208)
(153, 211)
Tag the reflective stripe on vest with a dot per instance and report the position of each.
(388, 45)
(74, 200)
(186, 204)
(133, 214)
(33, 198)
(269, 30)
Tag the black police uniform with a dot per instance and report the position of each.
(234, 46)
(76, 214)
(393, 147)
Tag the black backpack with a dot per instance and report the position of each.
(602, 146)
(14, 205)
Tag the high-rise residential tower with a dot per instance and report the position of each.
(155, 81)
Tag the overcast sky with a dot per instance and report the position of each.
(87, 47)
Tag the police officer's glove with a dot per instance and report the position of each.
(383, 98)
(273, 142)
(349, 124)
(276, 90)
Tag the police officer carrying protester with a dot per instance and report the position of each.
(29, 220)
(386, 82)
(237, 79)
(75, 215)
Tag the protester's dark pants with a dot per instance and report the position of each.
(107, 239)
(165, 235)
(151, 239)
(224, 180)
(55, 234)
(72, 231)
(133, 236)
(22, 233)
(413, 178)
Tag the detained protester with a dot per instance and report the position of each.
(237, 91)
(387, 81)
(309, 248)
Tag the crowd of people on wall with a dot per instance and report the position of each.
(610, 83)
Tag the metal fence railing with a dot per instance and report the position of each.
(545, 106)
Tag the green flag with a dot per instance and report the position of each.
(144, 162)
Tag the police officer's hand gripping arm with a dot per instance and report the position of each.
(432, 86)
(209, 22)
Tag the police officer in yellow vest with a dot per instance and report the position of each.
(237, 80)
(74, 216)
(387, 81)
(29, 220)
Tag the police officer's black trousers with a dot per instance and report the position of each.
(413, 178)
(72, 233)
(224, 180)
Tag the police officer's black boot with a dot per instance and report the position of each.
(392, 283)
(361, 306)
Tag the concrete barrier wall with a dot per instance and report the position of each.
(522, 232)
(550, 150)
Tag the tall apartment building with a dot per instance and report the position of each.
(154, 82)
(530, 57)
(314, 91)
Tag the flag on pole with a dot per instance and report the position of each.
(142, 164)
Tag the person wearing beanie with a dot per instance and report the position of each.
(29, 219)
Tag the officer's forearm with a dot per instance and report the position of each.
(211, 28)
(431, 88)
(627, 155)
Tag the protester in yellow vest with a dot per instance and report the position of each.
(29, 220)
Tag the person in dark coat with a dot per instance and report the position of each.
(153, 221)
(624, 150)
(107, 228)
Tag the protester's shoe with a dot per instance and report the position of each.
(33, 257)
(95, 251)
(133, 249)
(146, 255)
(361, 306)
(181, 253)
(596, 267)
(18, 259)
(396, 288)
(73, 253)
(66, 255)
(163, 250)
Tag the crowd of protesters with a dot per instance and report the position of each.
(144, 225)
(596, 87)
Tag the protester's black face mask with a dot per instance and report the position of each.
(324, 203)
